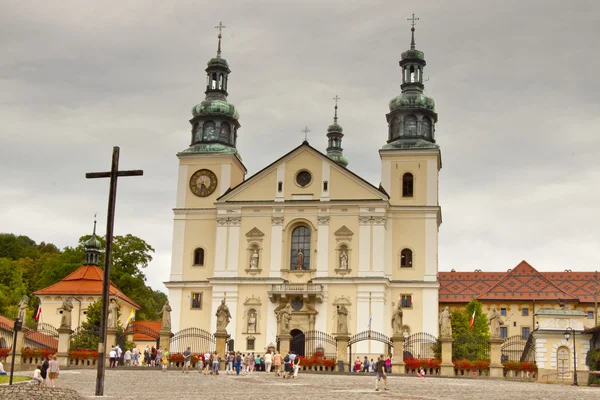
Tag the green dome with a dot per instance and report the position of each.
(339, 158)
(335, 128)
(93, 243)
(218, 61)
(412, 100)
(215, 107)
(210, 148)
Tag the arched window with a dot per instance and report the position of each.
(426, 127)
(199, 256)
(407, 185)
(410, 125)
(406, 260)
(213, 84)
(209, 130)
(225, 134)
(300, 251)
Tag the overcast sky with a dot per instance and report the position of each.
(515, 82)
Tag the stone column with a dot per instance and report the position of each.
(111, 340)
(221, 339)
(165, 339)
(496, 367)
(284, 343)
(446, 367)
(342, 350)
(18, 347)
(64, 334)
(398, 366)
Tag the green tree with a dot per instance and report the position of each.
(470, 343)
(12, 287)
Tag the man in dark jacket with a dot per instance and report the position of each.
(380, 369)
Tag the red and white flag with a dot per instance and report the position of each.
(472, 321)
(38, 313)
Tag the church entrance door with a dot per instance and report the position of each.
(298, 341)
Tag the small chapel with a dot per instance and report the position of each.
(306, 246)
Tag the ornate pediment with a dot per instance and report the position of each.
(255, 233)
(343, 234)
(342, 300)
(252, 301)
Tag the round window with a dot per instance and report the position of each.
(303, 178)
(297, 304)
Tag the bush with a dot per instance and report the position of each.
(416, 363)
(592, 360)
(467, 364)
(83, 354)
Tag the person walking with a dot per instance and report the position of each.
(357, 365)
(238, 363)
(388, 364)
(53, 370)
(215, 364)
(381, 375)
(112, 356)
(119, 354)
(147, 356)
(127, 358)
(44, 371)
(286, 366)
(365, 365)
(153, 354)
(230, 361)
(207, 363)
(165, 360)
(277, 361)
(136, 357)
(187, 358)
(268, 362)
(296, 365)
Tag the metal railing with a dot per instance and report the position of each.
(309, 288)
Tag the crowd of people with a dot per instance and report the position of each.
(367, 366)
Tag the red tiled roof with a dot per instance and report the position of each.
(462, 287)
(522, 283)
(525, 283)
(30, 335)
(86, 280)
(141, 326)
(6, 324)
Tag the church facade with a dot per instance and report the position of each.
(305, 233)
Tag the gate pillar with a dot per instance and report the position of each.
(284, 343)
(496, 367)
(221, 341)
(398, 365)
(446, 367)
(165, 339)
(111, 341)
(342, 351)
(64, 333)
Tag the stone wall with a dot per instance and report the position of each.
(35, 392)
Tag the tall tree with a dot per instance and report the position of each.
(470, 343)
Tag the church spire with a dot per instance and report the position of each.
(215, 120)
(92, 248)
(334, 136)
(412, 115)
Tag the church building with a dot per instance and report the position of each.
(306, 232)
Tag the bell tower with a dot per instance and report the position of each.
(211, 164)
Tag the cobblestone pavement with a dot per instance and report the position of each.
(145, 384)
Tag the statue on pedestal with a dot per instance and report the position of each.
(166, 317)
(252, 321)
(113, 310)
(284, 316)
(342, 314)
(344, 260)
(397, 319)
(300, 260)
(254, 259)
(223, 316)
(23, 303)
(495, 320)
(67, 307)
(445, 323)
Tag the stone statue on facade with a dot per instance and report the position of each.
(254, 259)
(405, 334)
(344, 260)
(67, 308)
(23, 303)
(223, 316)
(342, 314)
(495, 320)
(252, 321)
(397, 319)
(446, 323)
(284, 316)
(300, 260)
(166, 317)
(113, 314)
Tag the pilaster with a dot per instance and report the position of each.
(276, 244)
(323, 246)
(398, 365)
(496, 367)
(342, 351)
(446, 367)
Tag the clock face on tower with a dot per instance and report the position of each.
(203, 183)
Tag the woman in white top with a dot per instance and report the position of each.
(37, 374)
(53, 370)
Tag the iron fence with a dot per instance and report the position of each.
(420, 345)
(314, 343)
(84, 338)
(44, 336)
(513, 348)
(471, 346)
(6, 336)
(198, 340)
(529, 351)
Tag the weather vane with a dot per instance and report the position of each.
(305, 130)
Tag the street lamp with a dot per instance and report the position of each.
(567, 336)
(16, 328)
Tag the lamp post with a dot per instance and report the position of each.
(567, 336)
(16, 328)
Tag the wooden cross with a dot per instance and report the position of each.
(305, 130)
(110, 221)
(413, 19)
